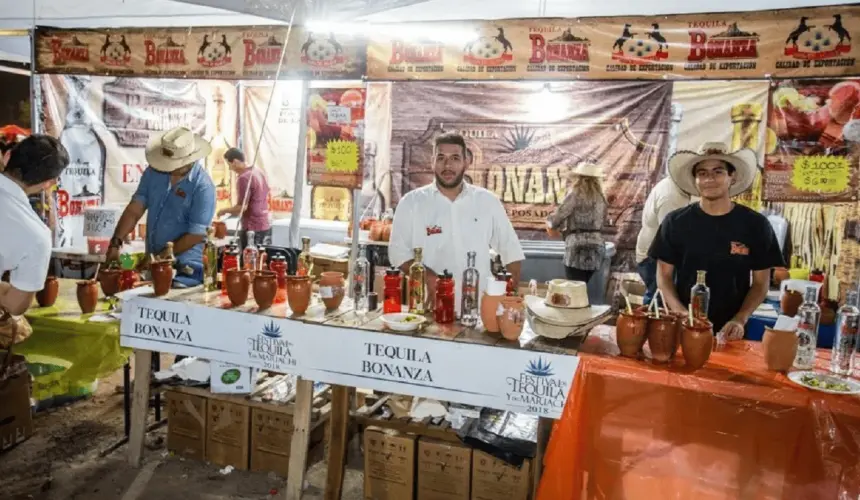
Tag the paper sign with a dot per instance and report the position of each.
(99, 222)
(341, 115)
(822, 174)
(342, 156)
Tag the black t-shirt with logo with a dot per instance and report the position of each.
(729, 247)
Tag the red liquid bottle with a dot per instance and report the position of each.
(230, 261)
(392, 302)
(279, 266)
(444, 309)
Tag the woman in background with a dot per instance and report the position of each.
(579, 221)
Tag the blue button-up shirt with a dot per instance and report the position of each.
(172, 211)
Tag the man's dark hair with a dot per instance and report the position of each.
(37, 159)
(234, 154)
(452, 138)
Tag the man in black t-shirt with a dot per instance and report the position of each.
(735, 245)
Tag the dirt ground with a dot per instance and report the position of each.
(63, 461)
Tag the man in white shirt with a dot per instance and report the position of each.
(32, 166)
(450, 218)
(664, 198)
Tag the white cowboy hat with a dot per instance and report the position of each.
(681, 166)
(174, 149)
(587, 169)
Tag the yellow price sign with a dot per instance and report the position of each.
(821, 174)
(341, 156)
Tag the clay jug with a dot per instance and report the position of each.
(48, 295)
(790, 302)
(265, 288)
(780, 348)
(238, 285)
(162, 276)
(298, 293)
(331, 289)
(110, 281)
(630, 333)
(220, 229)
(489, 306)
(88, 296)
(780, 274)
(663, 337)
(511, 317)
(697, 341)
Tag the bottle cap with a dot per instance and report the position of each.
(392, 271)
(372, 301)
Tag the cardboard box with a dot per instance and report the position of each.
(444, 470)
(228, 437)
(272, 437)
(16, 419)
(227, 378)
(494, 479)
(186, 424)
(389, 465)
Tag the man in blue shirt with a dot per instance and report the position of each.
(178, 197)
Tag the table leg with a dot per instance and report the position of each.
(140, 405)
(157, 363)
(301, 438)
(126, 397)
(543, 433)
(337, 442)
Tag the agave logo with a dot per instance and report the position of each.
(540, 368)
(271, 330)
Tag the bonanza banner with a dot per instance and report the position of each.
(105, 122)
(813, 141)
(229, 53)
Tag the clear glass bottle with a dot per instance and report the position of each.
(210, 262)
(360, 281)
(305, 262)
(416, 283)
(809, 315)
(845, 344)
(469, 292)
(700, 296)
(250, 253)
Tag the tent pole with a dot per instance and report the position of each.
(301, 159)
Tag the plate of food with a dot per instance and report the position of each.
(403, 322)
(825, 383)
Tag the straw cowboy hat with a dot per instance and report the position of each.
(587, 169)
(174, 149)
(681, 166)
(564, 310)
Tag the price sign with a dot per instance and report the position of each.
(341, 157)
(340, 115)
(821, 174)
(99, 222)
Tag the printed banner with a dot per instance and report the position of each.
(786, 43)
(228, 53)
(524, 139)
(105, 122)
(335, 137)
(518, 380)
(813, 141)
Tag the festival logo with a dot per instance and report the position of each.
(263, 53)
(115, 51)
(825, 40)
(269, 350)
(729, 45)
(164, 52)
(631, 48)
(564, 53)
(72, 51)
(422, 56)
(214, 51)
(322, 52)
(537, 389)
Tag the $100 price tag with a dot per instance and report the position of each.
(821, 174)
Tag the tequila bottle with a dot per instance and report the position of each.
(360, 281)
(700, 296)
(416, 283)
(809, 315)
(250, 253)
(305, 263)
(469, 292)
(847, 322)
(210, 262)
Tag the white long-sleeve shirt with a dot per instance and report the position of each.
(446, 230)
(664, 198)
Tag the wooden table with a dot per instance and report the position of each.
(341, 417)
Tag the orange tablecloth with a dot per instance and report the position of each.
(631, 430)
